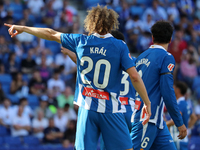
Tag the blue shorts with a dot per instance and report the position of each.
(112, 126)
(150, 137)
(128, 116)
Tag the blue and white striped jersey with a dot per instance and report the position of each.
(156, 66)
(100, 62)
(127, 92)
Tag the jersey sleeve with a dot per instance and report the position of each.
(126, 59)
(168, 65)
(167, 92)
(70, 41)
(181, 107)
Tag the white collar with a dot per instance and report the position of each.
(180, 99)
(157, 46)
(103, 36)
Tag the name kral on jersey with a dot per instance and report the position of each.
(97, 50)
(143, 61)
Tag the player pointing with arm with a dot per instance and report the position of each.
(100, 61)
(156, 66)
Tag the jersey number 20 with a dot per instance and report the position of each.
(96, 71)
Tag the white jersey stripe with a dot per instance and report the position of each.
(144, 130)
(88, 101)
(115, 102)
(161, 117)
(80, 97)
(101, 105)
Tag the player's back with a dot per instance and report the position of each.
(150, 67)
(100, 60)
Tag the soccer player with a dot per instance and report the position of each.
(127, 92)
(189, 118)
(100, 61)
(156, 66)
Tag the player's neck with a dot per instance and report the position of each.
(165, 46)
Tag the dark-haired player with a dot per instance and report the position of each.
(156, 66)
(189, 118)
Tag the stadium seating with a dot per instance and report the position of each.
(91, 3)
(31, 141)
(136, 10)
(33, 101)
(3, 132)
(13, 141)
(53, 46)
(5, 79)
(6, 88)
(14, 99)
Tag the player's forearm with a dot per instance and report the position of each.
(72, 55)
(170, 123)
(140, 88)
(192, 120)
(44, 33)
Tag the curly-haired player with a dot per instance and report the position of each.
(100, 61)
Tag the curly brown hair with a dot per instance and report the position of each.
(101, 20)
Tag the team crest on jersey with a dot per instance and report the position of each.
(129, 55)
(170, 67)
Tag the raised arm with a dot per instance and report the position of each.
(44, 33)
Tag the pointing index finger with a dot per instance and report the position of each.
(8, 25)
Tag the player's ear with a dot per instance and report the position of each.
(152, 38)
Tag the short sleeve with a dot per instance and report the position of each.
(168, 64)
(126, 59)
(70, 41)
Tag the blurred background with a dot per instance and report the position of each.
(37, 82)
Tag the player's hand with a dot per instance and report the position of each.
(146, 110)
(182, 132)
(64, 51)
(14, 29)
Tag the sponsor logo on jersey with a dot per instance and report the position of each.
(90, 92)
(137, 104)
(170, 67)
(123, 100)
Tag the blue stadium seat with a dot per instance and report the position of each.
(118, 9)
(3, 131)
(1, 141)
(53, 46)
(13, 141)
(5, 79)
(92, 3)
(18, 16)
(40, 25)
(31, 141)
(6, 88)
(33, 101)
(14, 99)
(136, 10)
